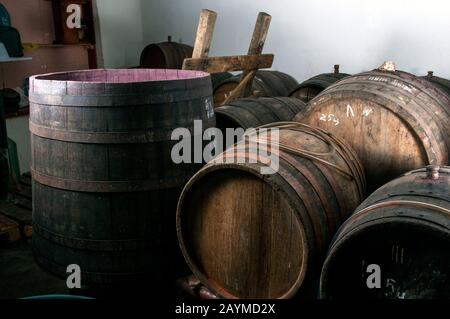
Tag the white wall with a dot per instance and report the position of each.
(121, 32)
(308, 37)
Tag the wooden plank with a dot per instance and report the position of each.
(9, 229)
(204, 35)
(25, 180)
(229, 63)
(20, 215)
(256, 46)
(23, 191)
(237, 92)
(21, 201)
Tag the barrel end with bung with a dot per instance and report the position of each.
(396, 244)
(246, 234)
(395, 121)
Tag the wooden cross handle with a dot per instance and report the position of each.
(256, 46)
(205, 32)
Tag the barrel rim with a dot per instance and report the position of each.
(249, 169)
(193, 74)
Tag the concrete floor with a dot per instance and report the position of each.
(21, 277)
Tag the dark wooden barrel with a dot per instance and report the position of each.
(442, 83)
(395, 121)
(104, 184)
(404, 228)
(249, 235)
(218, 78)
(165, 55)
(252, 112)
(310, 88)
(265, 83)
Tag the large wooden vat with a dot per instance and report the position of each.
(104, 184)
(265, 83)
(404, 230)
(165, 55)
(249, 235)
(394, 121)
(310, 88)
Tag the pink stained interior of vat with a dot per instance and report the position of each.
(123, 75)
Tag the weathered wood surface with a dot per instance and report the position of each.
(247, 235)
(404, 228)
(104, 184)
(204, 35)
(395, 121)
(265, 83)
(256, 47)
(229, 63)
(443, 84)
(310, 88)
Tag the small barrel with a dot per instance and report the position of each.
(395, 121)
(441, 83)
(104, 184)
(265, 83)
(250, 233)
(310, 88)
(251, 112)
(396, 244)
(165, 55)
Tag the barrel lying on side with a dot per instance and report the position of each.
(165, 55)
(395, 121)
(245, 234)
(310, 88)
(265, 83)
(400, 234)
(104, 184)
(442, 83)
(251, 112)
(218, 78)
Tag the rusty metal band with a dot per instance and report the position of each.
(106, 137)
(106, 186)
(91, 244)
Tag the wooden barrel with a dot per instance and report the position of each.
(104, 184)
(395, 121)
(165, 55)
(442, 83)
(251, 112)
(404, 229)
(248, 234)
(265, 83)
(218, 78)
(310, 88)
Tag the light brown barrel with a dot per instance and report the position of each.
(310, 88)
(165, 55)
(394, 120)
(247, 234)
(404, 229)
(265, 83)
